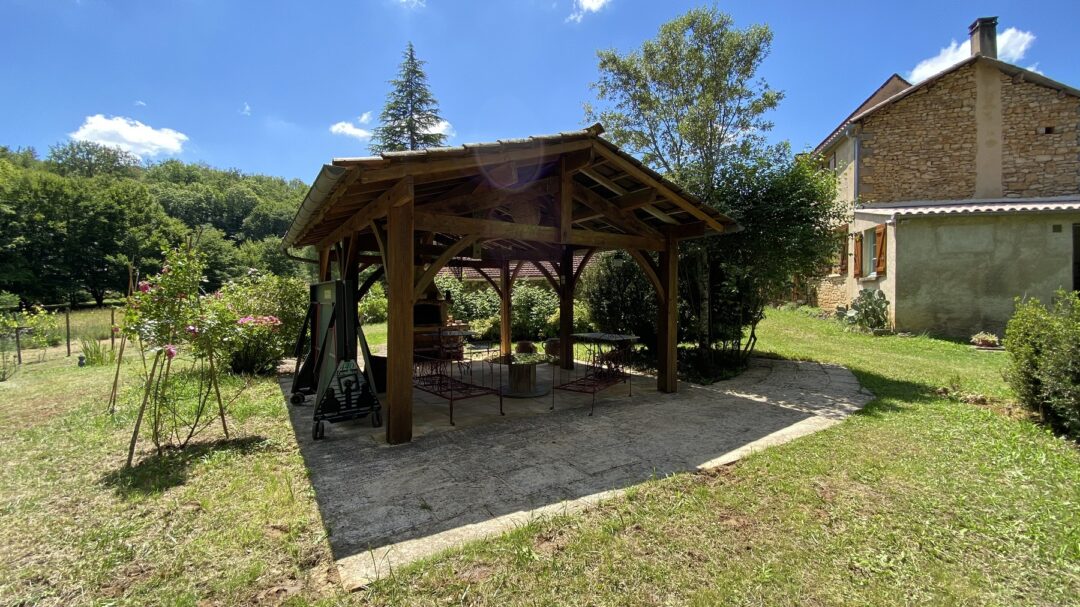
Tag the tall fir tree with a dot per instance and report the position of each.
(411, 116)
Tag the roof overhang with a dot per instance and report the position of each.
(615, 201)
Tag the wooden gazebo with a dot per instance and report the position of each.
(497, 206)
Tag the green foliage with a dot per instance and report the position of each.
(688, 101)
(868, 311)
(260, 316)
(96, 353)
(469, 302)
(373, 307)
(530, 307)
(487, 329)
(44, 328)
(410, 118)
(89, 159)
(619, 298)
(582, 320)
(71, 226)
(8, 300)
(1044, 359)
(986, 340)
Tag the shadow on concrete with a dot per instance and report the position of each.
(372, 495)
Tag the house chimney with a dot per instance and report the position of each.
(984, 37)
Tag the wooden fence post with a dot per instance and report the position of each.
(67, 328)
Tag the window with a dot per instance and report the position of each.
(871, 260)
(869, 244)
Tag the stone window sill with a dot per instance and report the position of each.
(872, 277)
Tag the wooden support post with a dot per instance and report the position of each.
(667, 311)
(399, 345)
(566, 201)
(67, 328)
(566, 308)
(505, 285)
(325, 269)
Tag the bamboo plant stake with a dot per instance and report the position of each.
(142, 409)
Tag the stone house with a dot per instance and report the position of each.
(964, 192)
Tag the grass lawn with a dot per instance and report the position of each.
(922, 498)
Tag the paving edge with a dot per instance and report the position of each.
(360, 570)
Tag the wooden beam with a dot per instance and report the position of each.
(667, 379)
(584, 261)
(325, 270)
(625, 165)
(434, 267)
(373, 210)
(565, 215)
(517, 270)
(475, 160)
(491, 281)
(399, 343)
(554, 282)
(505, 319)
(610, 211)
(490, 229)
(651, 271)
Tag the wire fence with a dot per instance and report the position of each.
(59, 333)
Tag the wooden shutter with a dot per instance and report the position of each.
(880, 249)
(858, 255)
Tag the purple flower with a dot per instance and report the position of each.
(170, 351)
(245, 320)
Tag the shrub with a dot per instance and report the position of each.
(530, 307)
(1044, 359)
(487, 329)
(373, 307)
(260, 316)
(8, 300)
(985, 340)
(95, 353)
(619, 298)
(44, 329)
(869, 311)
(582, 322)
(468, 302)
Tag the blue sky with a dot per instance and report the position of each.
(258, 86)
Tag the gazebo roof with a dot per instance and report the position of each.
(509, 196)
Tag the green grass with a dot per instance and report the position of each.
(921, 498)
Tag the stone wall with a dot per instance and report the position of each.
(922, 147)
(1035, 163)
(830, 292)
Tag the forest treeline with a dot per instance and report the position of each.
(73, 222)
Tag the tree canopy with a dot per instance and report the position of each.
(410, 120)
(71, 224)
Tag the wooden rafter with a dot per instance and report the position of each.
(581, 266)
(612, 212)
(631, 200)
(491, 199)
(649, 268)
(373, 210)
(489, 229)
(618, 161)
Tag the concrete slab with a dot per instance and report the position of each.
(386, 506)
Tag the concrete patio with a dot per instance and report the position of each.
(386, 506)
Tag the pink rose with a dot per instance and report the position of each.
(170, 351)
(192, 329)
(144, 286)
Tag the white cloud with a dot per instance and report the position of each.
(349, 130)
(130, 135)
(586, 6)
(246, 110)
(444, 128)
(365, 118)
(1013, 45)
(140, 103)
(1034, 67)
(412, 3)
